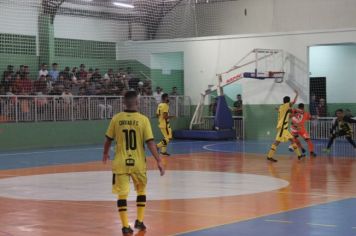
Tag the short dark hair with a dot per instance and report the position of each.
(164, 96)
(286, 99)
(130, 95)
(339, 110)
(54, 64)
(301, 105)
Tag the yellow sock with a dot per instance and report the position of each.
(272, 151)
(160, 144)
(122, 206)
(164, 149)
(296, 149)
(141, 205)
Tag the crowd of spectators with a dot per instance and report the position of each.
(75, 81)
(318, 106)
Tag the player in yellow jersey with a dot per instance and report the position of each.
(283, 134)
(130, 130)
(163, 123)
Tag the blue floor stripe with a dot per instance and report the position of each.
(329, 219)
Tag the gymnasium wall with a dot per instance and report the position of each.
(22, 136)
(228, 17)
(205, 57)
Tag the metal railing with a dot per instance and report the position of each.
(70, 108)
(208, 124)
(320, 128)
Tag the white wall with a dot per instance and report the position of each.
(167, 61)
(337, 64)
(18, 18)
(228, 18)
(205, 57)
(90, 29)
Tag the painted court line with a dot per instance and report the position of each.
(49, 151)
(322, 225)
(257, 217)
(280, 221)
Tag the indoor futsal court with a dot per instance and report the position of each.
(177, 117)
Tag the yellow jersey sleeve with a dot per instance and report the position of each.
(147, 131)
(110, 132)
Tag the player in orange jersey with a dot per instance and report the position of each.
(299, 118)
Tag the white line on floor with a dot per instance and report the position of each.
(280, 221)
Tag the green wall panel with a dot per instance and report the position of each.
(22, 136)
(167, 81)
(84, 49)
(17, 44)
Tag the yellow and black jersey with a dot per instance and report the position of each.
(130, 130)
(283, 116)
(161, 109)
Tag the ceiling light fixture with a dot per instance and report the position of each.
(120, 4)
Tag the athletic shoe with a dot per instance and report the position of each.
(165, 154)
(140, 225)
(271, 159)
(290, 148)
(301, 157)
(326, 150)
(312, 154)
(127, 231)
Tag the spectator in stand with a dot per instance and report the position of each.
(26, 70)
(322, 111)
(21, 70)
(65, 73)
(60, 80)
(96, 75)
(140, 89)
(7, 82)
(148, 91)
(129, 73)
(90, 75)
(57, 89)
(238, 106)
(82, 74)
(67, 95)
(174, 91)
(49, 82)
(43, 70)
(313, 106)
(158, 94)
(26, 86)
(16, 85)
(74, 74)
(8, 71)
(40, 85)
(109, 75)
(54, 73)
(121, 73)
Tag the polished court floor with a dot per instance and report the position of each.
(211, 188)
